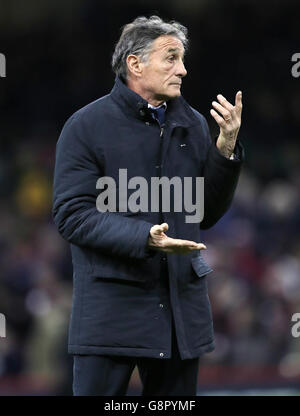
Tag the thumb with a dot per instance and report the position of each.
(164, 227)
(238, 99)
(159, 229)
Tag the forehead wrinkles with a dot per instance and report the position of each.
(166, 43)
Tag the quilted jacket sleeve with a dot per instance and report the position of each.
(74, 200)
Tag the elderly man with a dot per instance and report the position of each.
(140, 289)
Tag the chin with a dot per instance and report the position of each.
(174, 94)
(178, 94)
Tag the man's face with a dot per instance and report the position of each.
(163, 72)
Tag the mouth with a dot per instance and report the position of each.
(176, 83)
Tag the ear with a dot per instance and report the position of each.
(134, 65)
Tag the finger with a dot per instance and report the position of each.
(202, 246)
(225, 103)
(170, 242)
(177, 242)
(220, 120)
(186, 249)
(225, 113)
(238, 100)
(184, 243)
(199, 246)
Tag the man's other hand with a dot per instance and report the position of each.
(229, 119)
(158, 240)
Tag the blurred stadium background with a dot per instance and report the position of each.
(58, 59)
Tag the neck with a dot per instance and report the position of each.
(147, 95)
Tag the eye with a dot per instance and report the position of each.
(171, 58)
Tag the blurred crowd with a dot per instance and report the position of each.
(58, 59)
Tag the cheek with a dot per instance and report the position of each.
(169, 74)
(153, 77)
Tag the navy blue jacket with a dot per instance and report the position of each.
(122, 299)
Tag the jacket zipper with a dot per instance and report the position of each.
(160, 172)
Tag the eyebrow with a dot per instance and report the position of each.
(175, 50)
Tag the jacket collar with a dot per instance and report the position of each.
(178, 111)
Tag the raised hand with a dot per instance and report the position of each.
(228, 118)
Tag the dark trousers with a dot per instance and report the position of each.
(100, 375)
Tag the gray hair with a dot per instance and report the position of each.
(137, 38)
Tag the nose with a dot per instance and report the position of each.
(180, 70)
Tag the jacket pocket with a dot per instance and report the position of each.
(201, 268)
(116, 271)
(102, 273)
(96, 264)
